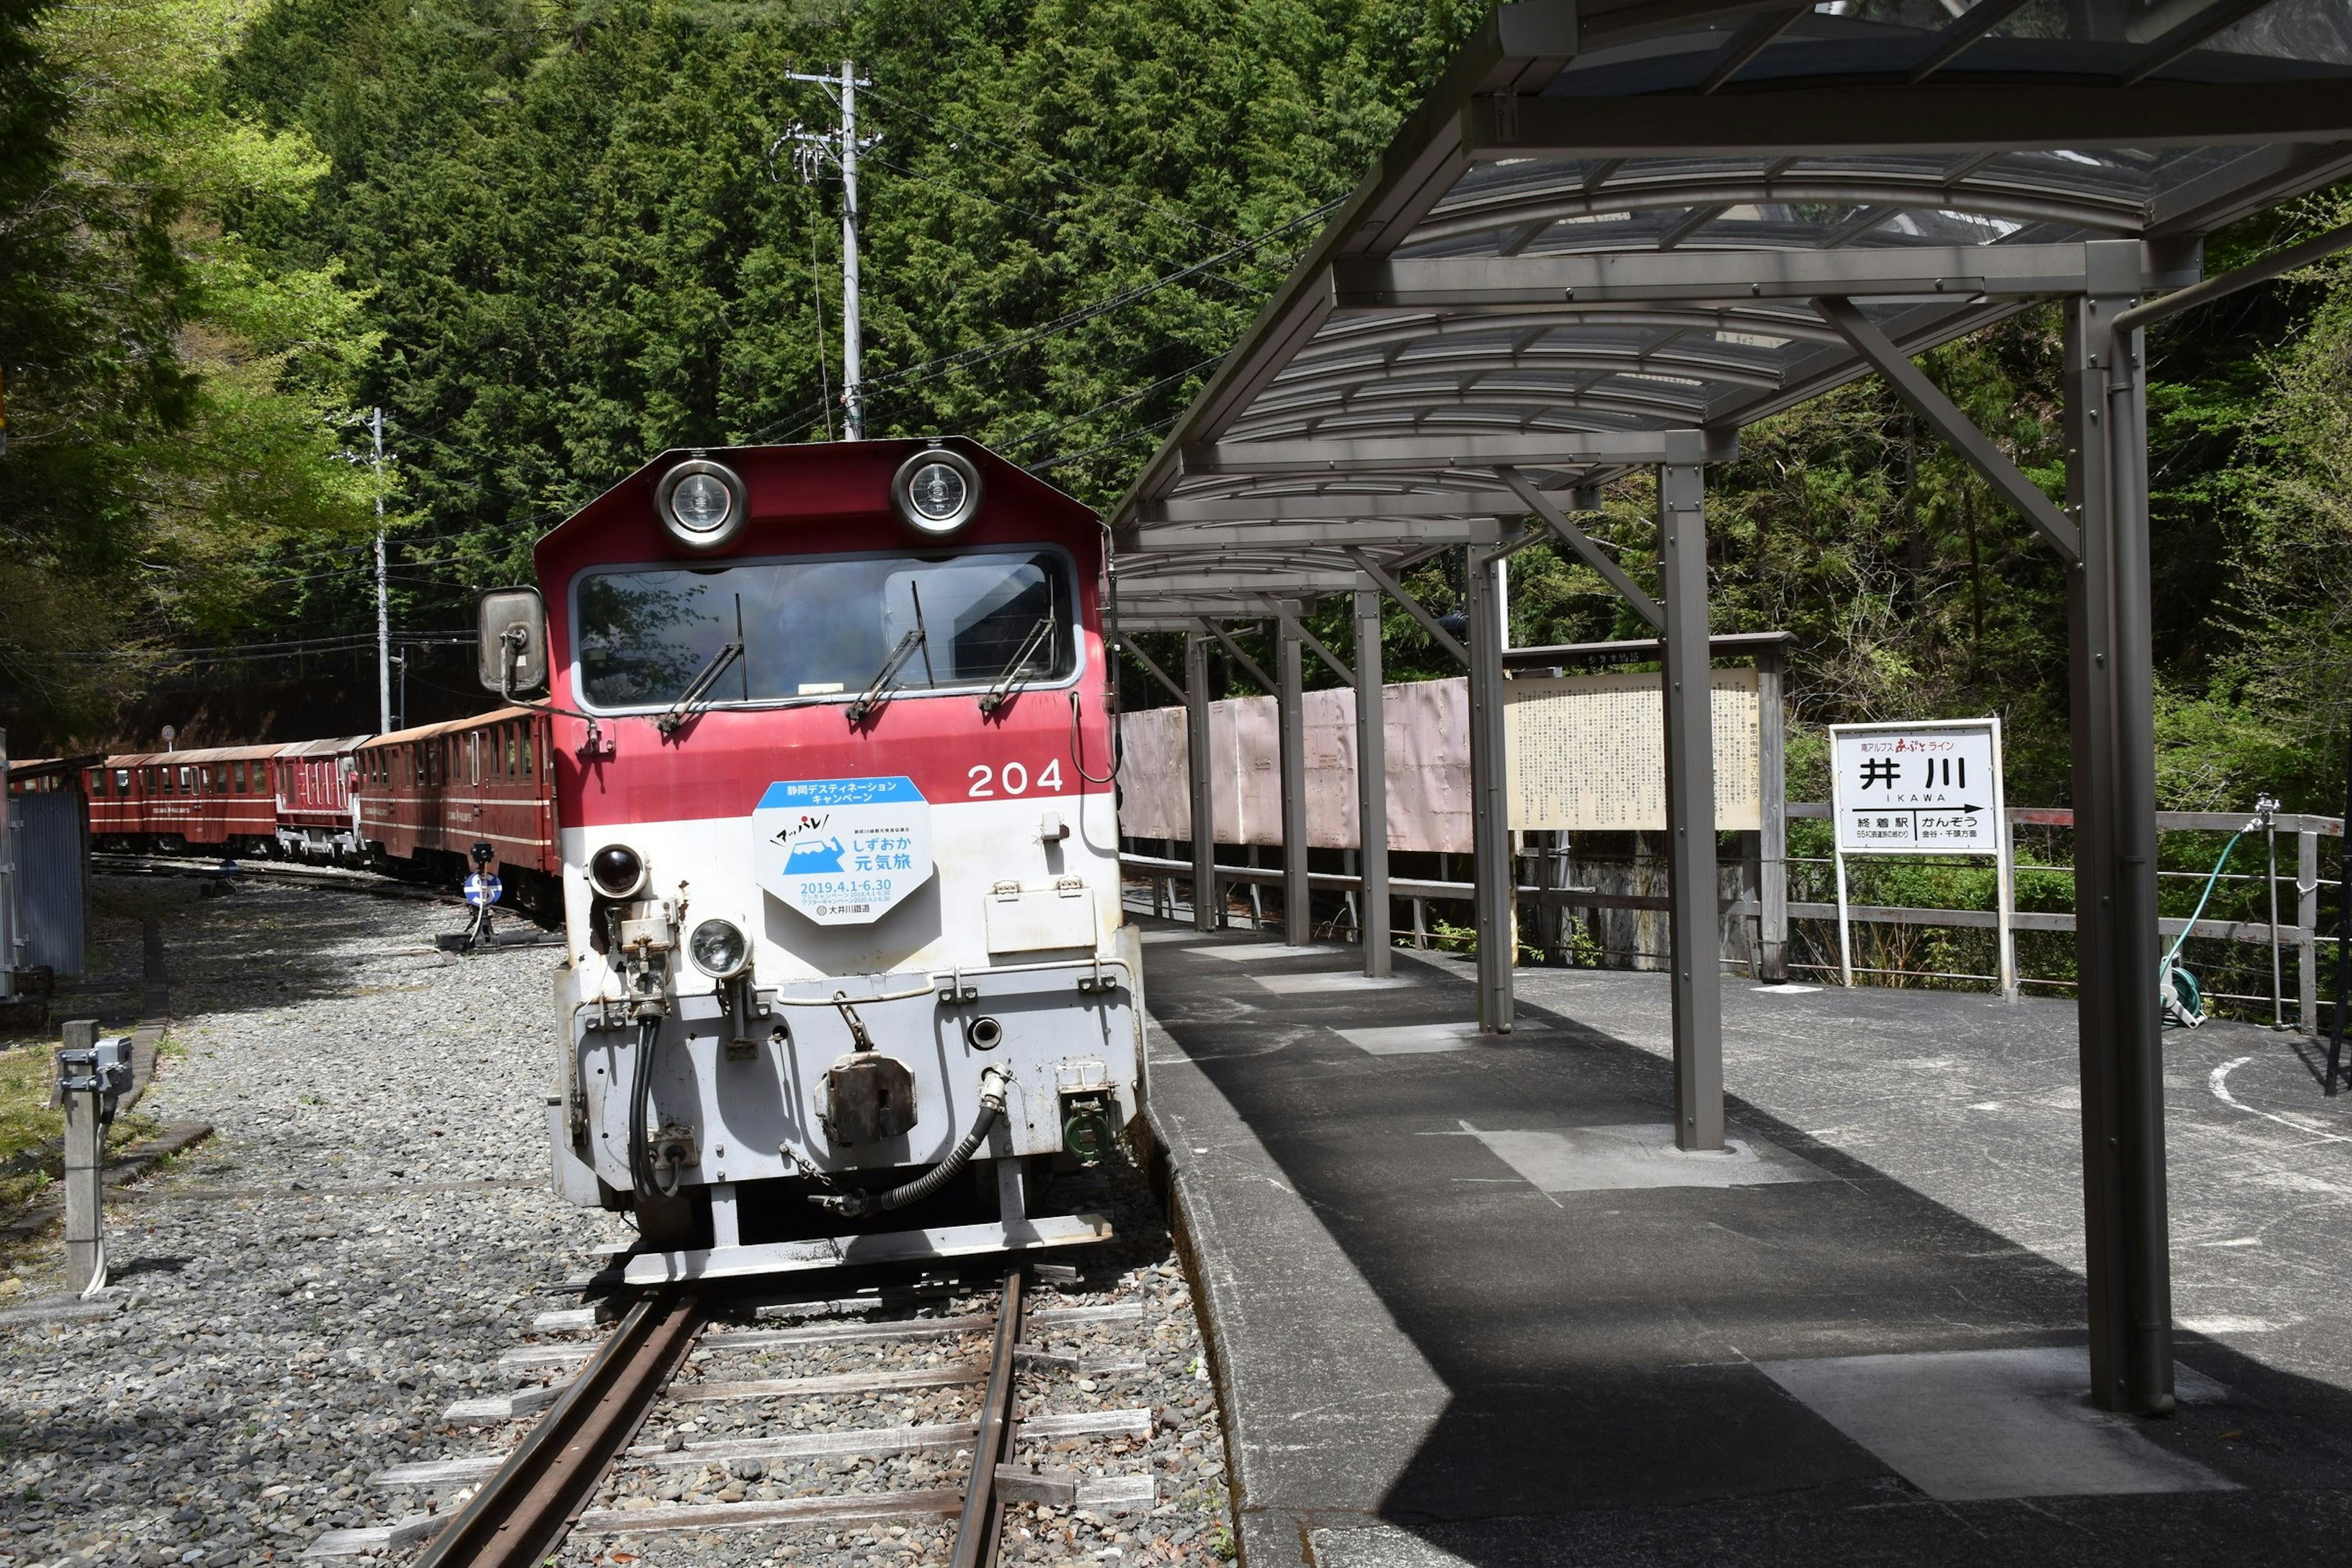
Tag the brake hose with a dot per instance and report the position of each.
(994, 1083)
(641, 1098)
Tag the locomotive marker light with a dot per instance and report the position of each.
(843, 851)
(618, 872)
(936, 492)
(701, 503)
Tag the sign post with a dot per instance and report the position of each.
(1933, 788)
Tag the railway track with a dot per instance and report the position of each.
(342, 879)
(641, 1402)
(518, 927)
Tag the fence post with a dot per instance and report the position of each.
(83, 1176)
(1208, 900)
(1772, 835)
(2306, 933)
(8, 882)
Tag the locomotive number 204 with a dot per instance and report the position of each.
(1014, 779)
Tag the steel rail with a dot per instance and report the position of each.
(984, 1520)
(524, 1512)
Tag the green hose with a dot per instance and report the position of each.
(2174, 983)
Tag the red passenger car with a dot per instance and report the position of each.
(427, 797)
(216, 801)
(313, 784)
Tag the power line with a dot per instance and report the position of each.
(931, 369)
(1044, 220)
(1109, 403)
(1065, 171)
(1156, 424)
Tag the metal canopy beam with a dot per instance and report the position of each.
(1944, 117)
(1592, 554)
(2246, 277)
(1327, 507)
(1210, 537)
(1234, 651)
(1911, 384)
(1412, 606)
(1959, 272)
(1294, 627)
(1176, 581)
(1151, 668)
(1391, 454)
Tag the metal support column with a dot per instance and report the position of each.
(1297, 902)
(1492, 891)
(2117, 1020)
(1690, 809)
(1772, 839)
(1372, 782)
(1208, 900)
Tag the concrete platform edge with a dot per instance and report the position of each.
(1211, 1299)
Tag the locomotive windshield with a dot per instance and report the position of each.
(814, 627)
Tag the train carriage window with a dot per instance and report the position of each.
(237, 777)
(123, 781)
(97, 782)
(527, 769)
(821, 628)
(510, 750)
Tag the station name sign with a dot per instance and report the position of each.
(1929, 787)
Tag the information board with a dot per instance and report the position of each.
(1588, 752)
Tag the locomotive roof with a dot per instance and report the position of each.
(1003, 479)
(447, 727)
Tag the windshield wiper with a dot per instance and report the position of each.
(886, 679)
(692, 697)
(1014, 675)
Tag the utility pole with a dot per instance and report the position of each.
(841, 148)
(382, 601)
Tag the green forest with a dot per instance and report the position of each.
(549, 240)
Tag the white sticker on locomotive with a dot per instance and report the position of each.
(843, 851)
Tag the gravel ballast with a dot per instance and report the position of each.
(371, 1229)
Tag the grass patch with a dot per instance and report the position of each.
(32, 1135)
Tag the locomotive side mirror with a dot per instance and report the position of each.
(512, 647)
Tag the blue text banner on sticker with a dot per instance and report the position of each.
(809, 793)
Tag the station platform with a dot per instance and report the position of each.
(1468, 1304)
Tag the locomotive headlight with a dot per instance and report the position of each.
(701, 503)
(720, 949)
(618, 872)
(936, 492)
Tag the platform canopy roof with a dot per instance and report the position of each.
(1619, 230)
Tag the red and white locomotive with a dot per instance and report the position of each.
(832, 758)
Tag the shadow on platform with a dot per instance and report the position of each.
(1470, 1307)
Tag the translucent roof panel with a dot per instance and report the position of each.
(1605, 231)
